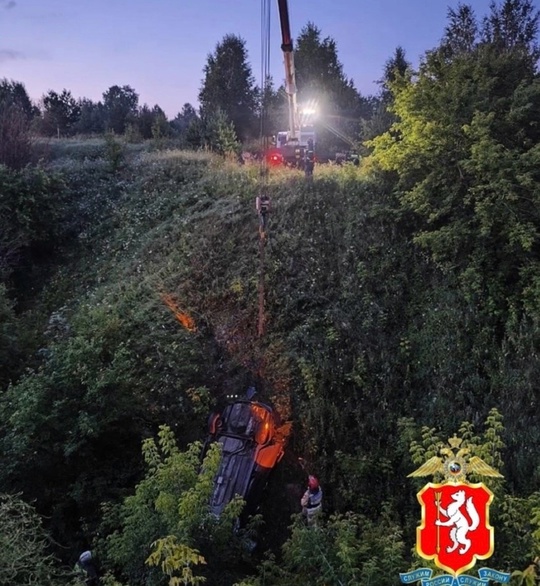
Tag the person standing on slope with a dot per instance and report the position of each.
(312, 500)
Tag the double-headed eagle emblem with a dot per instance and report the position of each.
(456, 464)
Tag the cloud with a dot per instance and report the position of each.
(8, 4)
(9, 55)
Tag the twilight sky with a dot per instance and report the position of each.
(159, 47)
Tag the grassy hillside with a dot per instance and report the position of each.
(146, 312)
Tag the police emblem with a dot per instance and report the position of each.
(455, 530)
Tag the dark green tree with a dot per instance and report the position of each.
(181, 124)
(120, 105)
(145, 119)
(273, 109)
(60, 113)
(160, 124)
(195, 133)
(183, 119)
(319, 73)
(465, 152)
(92, 118)
(16, 112)
(150, 121)
(513, 26)
(14, 92)
(461, 32)
(229, 86)
(214, 132)
(320, 80)
(395, 67)
(382, 118)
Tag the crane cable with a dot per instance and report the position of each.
(263, 201)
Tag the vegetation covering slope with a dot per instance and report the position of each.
(147, 311)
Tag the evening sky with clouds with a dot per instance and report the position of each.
(160, 47)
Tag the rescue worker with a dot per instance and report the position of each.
(312, 500)
(309, 162)
(87, 569)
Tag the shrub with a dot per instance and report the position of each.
(31, 203)
(24, 546)
(15, 146)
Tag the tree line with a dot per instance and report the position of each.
(232, 105)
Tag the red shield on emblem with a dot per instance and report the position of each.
(455, 529)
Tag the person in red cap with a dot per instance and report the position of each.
(312, 500)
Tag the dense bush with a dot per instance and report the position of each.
(32, 215)
(16, 111)
(25, 556)
(169, 517)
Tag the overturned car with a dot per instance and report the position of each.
(251, 445)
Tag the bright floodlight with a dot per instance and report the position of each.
(308, 111)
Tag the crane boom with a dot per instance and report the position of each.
(290, 76)
(294, 147)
